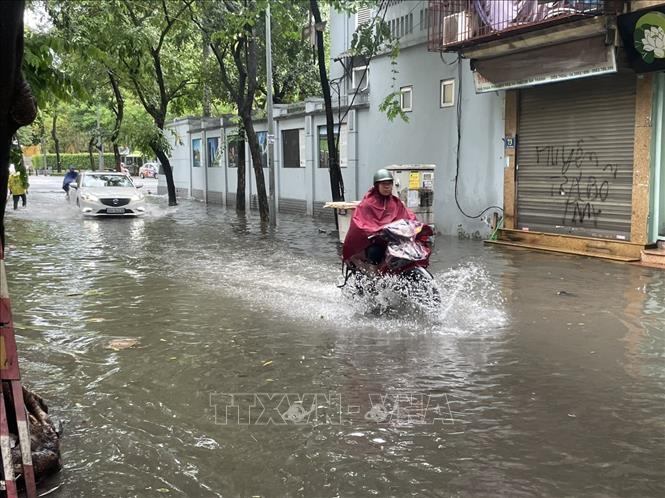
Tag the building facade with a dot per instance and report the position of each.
(583, 116)
(534, 111)
(368, 139)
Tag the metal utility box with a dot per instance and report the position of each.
(414, 185)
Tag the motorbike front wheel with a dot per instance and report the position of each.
(422, 288)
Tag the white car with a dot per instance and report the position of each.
(149, 170)
(106, 193)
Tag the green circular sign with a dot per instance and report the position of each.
(649, 36)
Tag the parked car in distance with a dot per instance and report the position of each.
(149, 170)
(107, 193)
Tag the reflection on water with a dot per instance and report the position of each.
(547, 371)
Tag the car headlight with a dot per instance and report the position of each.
(138, 197)
(88, 197)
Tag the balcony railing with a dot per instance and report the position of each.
(454, 24)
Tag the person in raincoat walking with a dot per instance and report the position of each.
(17, 187)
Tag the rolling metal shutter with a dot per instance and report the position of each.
(575, 157)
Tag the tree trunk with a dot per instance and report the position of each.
(56, 142)
(206, 88)
(17, 108)
(168, 173)
(336, 180)
(241, 187)
(255, 151)
(91, 146)
(116, 154)
(119, 112)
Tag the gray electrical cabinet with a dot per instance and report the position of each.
(414, 185)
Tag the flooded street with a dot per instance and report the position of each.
(540, 375)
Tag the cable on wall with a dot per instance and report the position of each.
(459, 142)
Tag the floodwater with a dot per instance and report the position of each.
(540, 375)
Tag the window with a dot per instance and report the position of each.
(406, 98)
(410, 23)
(214, 157)
(262, 137)
(447, 93)
(196, 152)
(360, 78)
(110, 180)
(363, 16)
(324, 157)
(236, 148)
(291, 148)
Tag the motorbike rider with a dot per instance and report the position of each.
(70, 177)
(378, 208)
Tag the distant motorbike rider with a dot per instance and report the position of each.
(70, 177)
(378, 208)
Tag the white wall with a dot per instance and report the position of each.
(430, 136)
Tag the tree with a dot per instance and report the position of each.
(295, 77)
(231, 27)
(148, 50)
(44, 73)
(154, 61)
(336, 179)
(368, 40)
(17, 108)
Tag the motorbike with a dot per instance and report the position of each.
(403, 267)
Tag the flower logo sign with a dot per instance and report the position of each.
(650, 36)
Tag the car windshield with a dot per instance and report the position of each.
(107, 181)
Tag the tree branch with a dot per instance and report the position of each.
(170, 21)
(220, 55)
(250, 58)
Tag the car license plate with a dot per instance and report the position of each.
(115, 210)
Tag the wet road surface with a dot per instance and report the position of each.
(540, 375)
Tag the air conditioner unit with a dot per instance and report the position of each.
(455, 28)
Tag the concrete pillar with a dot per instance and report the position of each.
(222, 144)
(277, 158)
(309, 163)
(510, 169)
(639, 219)
(352, 155)
(204, 160)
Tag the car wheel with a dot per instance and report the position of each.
(155, 176)
(141, 176)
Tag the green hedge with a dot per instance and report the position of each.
(79, 161)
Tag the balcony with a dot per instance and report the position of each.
(457, 24)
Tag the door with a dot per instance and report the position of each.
(575, 157)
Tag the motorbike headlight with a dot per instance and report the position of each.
(88, 197)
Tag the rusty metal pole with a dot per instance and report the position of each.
(10, 382)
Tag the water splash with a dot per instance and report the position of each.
(304, 289)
